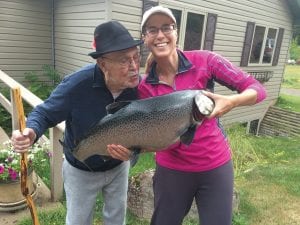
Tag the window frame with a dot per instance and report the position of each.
(184, 15)
(248, 42)
(261, 63)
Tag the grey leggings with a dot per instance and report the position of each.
(174, 192)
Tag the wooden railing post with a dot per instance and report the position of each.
(14, 114)
(56, 164)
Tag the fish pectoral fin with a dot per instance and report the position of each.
(114, 107)
(188, 136)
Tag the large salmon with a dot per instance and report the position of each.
(149, 124)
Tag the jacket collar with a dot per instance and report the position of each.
(183, 65)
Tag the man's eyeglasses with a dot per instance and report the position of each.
(166, 29)
(125, 61)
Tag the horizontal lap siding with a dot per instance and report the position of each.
(75, 21)
(129, 14)
(233, 16)
(25, 36)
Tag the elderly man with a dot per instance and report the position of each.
(80, 100)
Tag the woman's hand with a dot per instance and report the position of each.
(119, 152)
(225, 103)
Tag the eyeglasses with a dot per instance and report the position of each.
(125, 62)
(166, 29)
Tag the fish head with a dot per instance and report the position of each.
(203, 106)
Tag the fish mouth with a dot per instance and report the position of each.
(202, 107)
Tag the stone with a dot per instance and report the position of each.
(140, 197)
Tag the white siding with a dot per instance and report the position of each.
(233, 16)
(25, 36)
(75, 21)
(129, 13)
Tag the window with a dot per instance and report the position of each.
(194, 31)
(192, 24)
(263, 45)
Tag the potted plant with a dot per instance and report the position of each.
(10, 172)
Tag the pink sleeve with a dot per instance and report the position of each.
(143, 90)
(231, 76)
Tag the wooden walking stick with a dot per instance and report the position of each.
(24, 164)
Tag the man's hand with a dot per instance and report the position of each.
(119, 152)
(22, 141)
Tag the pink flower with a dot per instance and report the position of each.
(49, 154)
(2, 169)
(12, 174)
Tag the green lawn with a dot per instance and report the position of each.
(291, 77)
(289, 102)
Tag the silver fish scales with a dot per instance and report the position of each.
(150, 124)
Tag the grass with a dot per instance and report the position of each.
(291, 77)
(289, 102)
(270, 192)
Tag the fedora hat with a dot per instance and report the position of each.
(110, 37)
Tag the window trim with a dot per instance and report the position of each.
(248, 41)
(185, 11)
(260, 63)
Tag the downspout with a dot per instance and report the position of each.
(52, 34)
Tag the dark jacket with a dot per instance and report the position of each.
(80, 100)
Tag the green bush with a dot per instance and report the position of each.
(294, 50)
(5, 118)
(42, 89)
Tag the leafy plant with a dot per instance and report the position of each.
(294, 50)
(39, 88)
(10, 161)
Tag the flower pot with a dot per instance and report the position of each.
(11, 197)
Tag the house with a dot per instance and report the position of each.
(253, 34)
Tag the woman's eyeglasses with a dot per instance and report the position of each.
(125, 61)
(166, 29)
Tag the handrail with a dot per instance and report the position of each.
(56, 132)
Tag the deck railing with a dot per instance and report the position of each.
(56, 132)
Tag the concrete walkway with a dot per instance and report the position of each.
(290, 91)
(42, 202)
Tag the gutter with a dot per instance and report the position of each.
(52, 34)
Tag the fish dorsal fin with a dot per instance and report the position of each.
(188, 136)
(114, 107)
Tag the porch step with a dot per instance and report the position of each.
(280, 122)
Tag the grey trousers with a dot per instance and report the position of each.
(82, 187)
